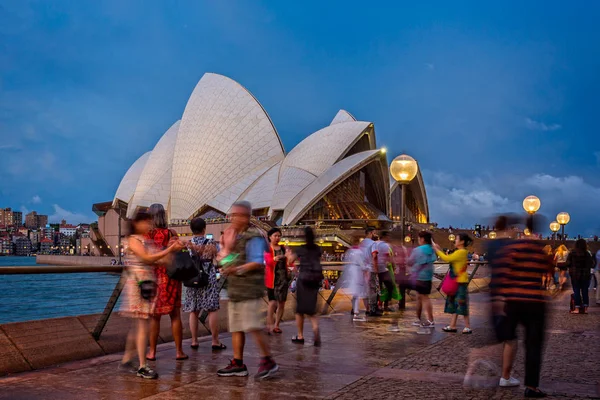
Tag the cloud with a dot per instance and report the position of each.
(430, 66)
(24, 210)
(36, 199)
(71, 217)
(597, 155)
(540, 126)
(9, 147)
(454, 200)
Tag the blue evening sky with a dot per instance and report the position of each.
(496, 100)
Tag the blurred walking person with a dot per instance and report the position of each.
(458, 304)
(168, 291)
(356, 275)
(310, 276)
(560, 261)
(383, 258)
(245, 273)
(421, 261)
(367, 248)
(277, 280)
(580, 263)
(520, 266)
(498, 300)
(205, 298)
(597, 273)
(549, 277)
(139, 292)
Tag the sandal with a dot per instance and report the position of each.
(297, 341)
(182, 358)
(467, 331)
(195, 346)
(219, 347)
(277, 330)
(449, 330)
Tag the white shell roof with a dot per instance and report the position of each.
(327, 181)
(260, 194)
(154, 183)
(313, 156)
(128, 183)
(342, 116)
(228, 196)
(224, 134)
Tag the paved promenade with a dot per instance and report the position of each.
(356, 361)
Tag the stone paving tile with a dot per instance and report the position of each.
(357, 361)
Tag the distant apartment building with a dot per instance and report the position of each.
(17, 219)
(6, 246)
(64, 244)
(22, 246)
(67, 229)
(33, 220)
(48, 233)
(36, 238)
(46, 246)
(6, 217)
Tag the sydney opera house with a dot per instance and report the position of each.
(225, 148)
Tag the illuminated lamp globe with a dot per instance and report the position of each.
(532, 204)
(554, 226)
(407, 239)
(563, 218)
(527, 232)
(451, 237)
(492, 235)
(404, 168)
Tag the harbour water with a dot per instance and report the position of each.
(39, 296)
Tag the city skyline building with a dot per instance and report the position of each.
(33, 220)
(6, 217)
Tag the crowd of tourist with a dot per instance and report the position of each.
(377, 269)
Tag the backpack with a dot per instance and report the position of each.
(202, 269)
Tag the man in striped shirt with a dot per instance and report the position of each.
(517, 278)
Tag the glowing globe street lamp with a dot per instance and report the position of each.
(554, 227)
(403, 169)
(451, 237)
(563, 218)
(492, 235)
(532, 204)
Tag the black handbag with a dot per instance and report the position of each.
(202, 271)
(182, 267)
(147, 289)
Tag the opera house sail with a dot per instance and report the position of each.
(225, 148)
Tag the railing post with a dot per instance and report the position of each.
(112, 301)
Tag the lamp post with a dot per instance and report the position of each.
(531, 204)
(554, 227)
(403, 169)
(563, 218)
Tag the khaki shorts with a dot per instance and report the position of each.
(247, 315)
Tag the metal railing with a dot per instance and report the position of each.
(42, 292)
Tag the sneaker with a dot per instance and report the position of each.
(233, 370)
(512, 381)
(427, 324)
(417, 323)
(534, 394)
(147, 373)
(266, 369)
(129, 366)
(394, 328)
(358, 318)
